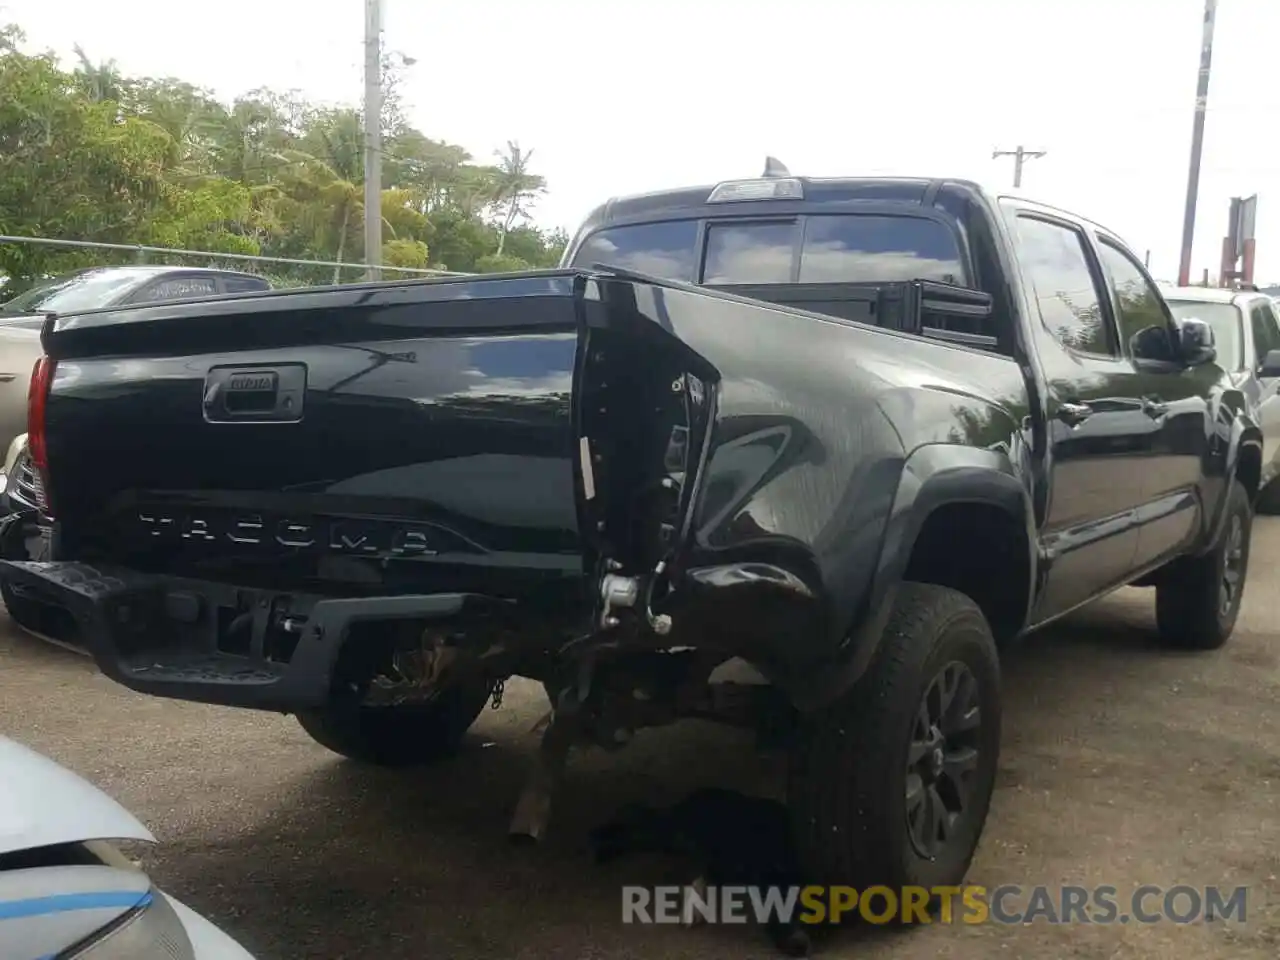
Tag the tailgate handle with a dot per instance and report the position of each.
(255, 394)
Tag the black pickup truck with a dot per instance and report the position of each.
(856, 433)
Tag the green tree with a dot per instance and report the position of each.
(87, 153)
(70, 166)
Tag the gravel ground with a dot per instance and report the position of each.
(1122, 764)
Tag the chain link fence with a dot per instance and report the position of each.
(279, 271)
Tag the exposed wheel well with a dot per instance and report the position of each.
(981, 551)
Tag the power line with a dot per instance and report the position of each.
(1020, 156)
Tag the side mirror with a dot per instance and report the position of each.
(1195, 341)
(1270, 367)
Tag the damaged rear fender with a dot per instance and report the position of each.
(742, 448)
(946, 495)
(939, 499)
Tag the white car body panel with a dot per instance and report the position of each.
(209, 942)
(43, 804)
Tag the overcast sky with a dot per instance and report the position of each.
(618, 96)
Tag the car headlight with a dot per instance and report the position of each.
(151, 931)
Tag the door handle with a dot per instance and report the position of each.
(1074, 413)
(1154, 407)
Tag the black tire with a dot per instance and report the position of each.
(850, 779)
(22, 611)
(1268, 501)
(398, 736)
(1198, 598)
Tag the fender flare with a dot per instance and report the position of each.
(933, 476)
(1245, 435)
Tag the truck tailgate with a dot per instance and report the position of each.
(343, 436)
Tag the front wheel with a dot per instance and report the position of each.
(891, 785)
(397, 736)
(1198, 599)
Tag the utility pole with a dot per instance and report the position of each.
(1020, 156)
(373, 138)
(1197, 142)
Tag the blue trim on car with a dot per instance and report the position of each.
(66, 902)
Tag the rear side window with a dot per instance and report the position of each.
(667, 250)
(179, 288)
(244, 284)
(1070, 305)
(879, 249)
(1266, 335)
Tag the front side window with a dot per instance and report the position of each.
(1140, 314)
(1056, 264)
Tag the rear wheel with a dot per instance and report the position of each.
(397, 736)
(24, 612)
(47, 620)
(891, 785)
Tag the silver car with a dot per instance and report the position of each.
(1246, 330)
(92, 289)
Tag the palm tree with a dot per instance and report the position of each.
(240, 147)
(196, 124)
(514, 187)
(337, 157)
(101, 81)
(329, 202)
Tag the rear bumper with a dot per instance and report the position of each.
(168, 637)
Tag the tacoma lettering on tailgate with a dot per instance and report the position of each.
(363, 537)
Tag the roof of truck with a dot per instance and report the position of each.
(692, 201)
(906, 190)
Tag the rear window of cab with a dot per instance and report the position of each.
(832, 248)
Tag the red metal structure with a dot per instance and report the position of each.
(1238, 246)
